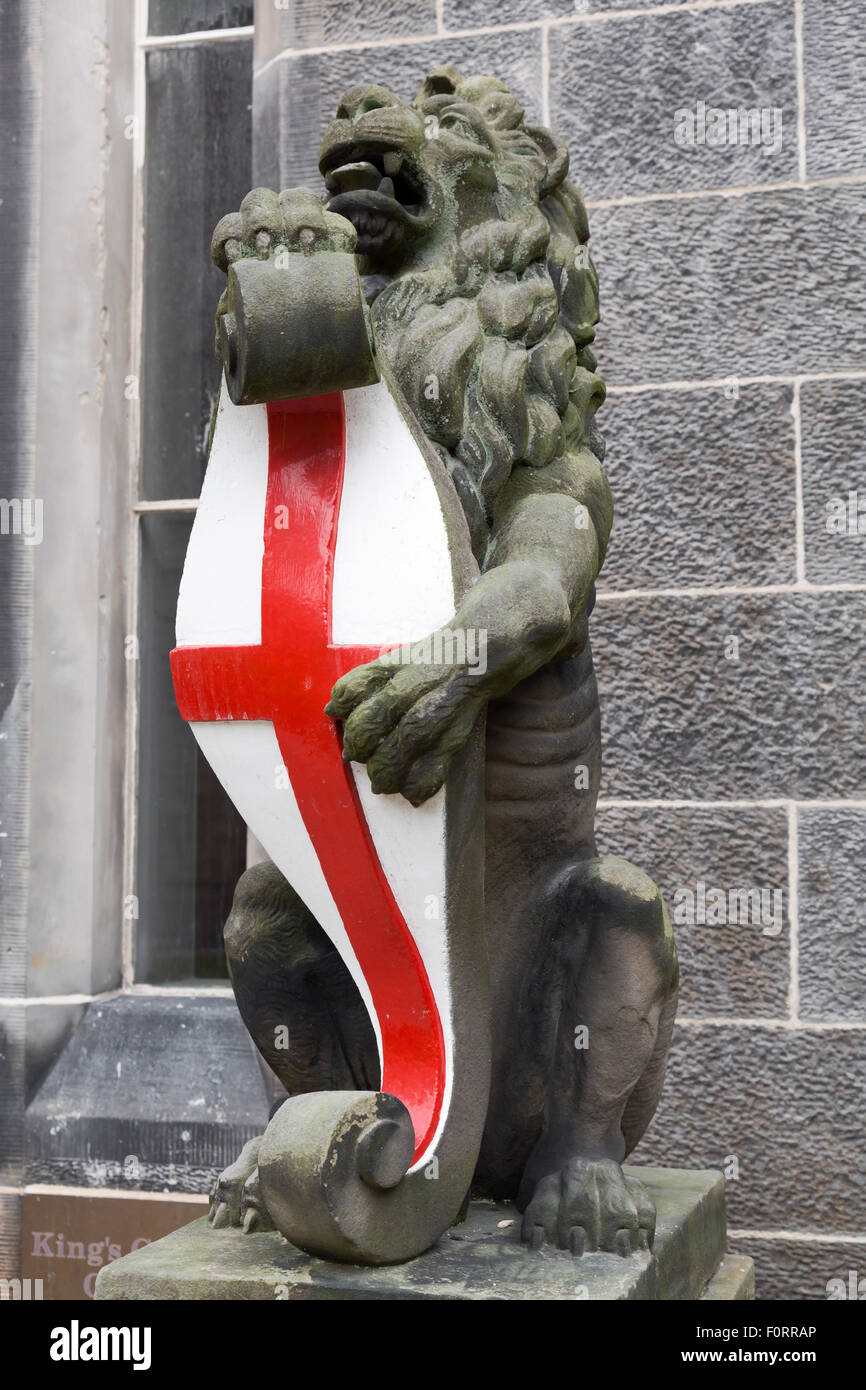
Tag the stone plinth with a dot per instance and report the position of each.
(481, 1259)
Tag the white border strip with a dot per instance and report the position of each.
(197, 36)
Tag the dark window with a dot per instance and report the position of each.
(185, 16)
(190, 841)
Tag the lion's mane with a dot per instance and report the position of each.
(491, 344)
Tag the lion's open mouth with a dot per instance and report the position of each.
(380, 195)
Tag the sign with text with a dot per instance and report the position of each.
(67, 1236)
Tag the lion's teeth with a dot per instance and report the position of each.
(391, 162)
(387, 187)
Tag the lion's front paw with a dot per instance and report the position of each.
(228, 1199)
(590, 1204)
(268, 223)
(406, 720)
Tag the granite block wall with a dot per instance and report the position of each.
(730, 626)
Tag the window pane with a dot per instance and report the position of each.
(191, 841)
(197, 167)
(182, 16)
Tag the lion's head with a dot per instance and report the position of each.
(472, 245)
(411, 176)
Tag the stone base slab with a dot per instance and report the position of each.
(483, 1258)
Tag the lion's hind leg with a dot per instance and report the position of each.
(618, 971)
(301, 1008)
(294, 992)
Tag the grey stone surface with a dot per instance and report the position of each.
(788, 1105)
(20, 35)
(198, 165)
(311, 23)
(481, 1259)
(733, 1281)
(151, 1093)
(461, 14)
(183, 16)
(723, 286)
(64, 425)
(832, 914)
(704, 488)
(734, 969)
(78, 673)
(680, 720)
(834, 64)
(621, 131)
(787, 1269)
(296, 96)
(834, 465)
(47, 1029)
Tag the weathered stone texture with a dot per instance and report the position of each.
(834, 65)
(787, 1105)
(704, 488)
(464, 14)
(620, 128)
(800, 1270)
(684, 717)
(834, 467)
(738, 968)
(832, 912)
(715, 287)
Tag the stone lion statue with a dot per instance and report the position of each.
(473, 252)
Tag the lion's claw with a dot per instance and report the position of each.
(577, 1241)
(235, 1192)
(535, 1237)
(590, 1204)
(220, 1216)
(255, 1215)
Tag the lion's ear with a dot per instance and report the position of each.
(555, 157)
(441, 81)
